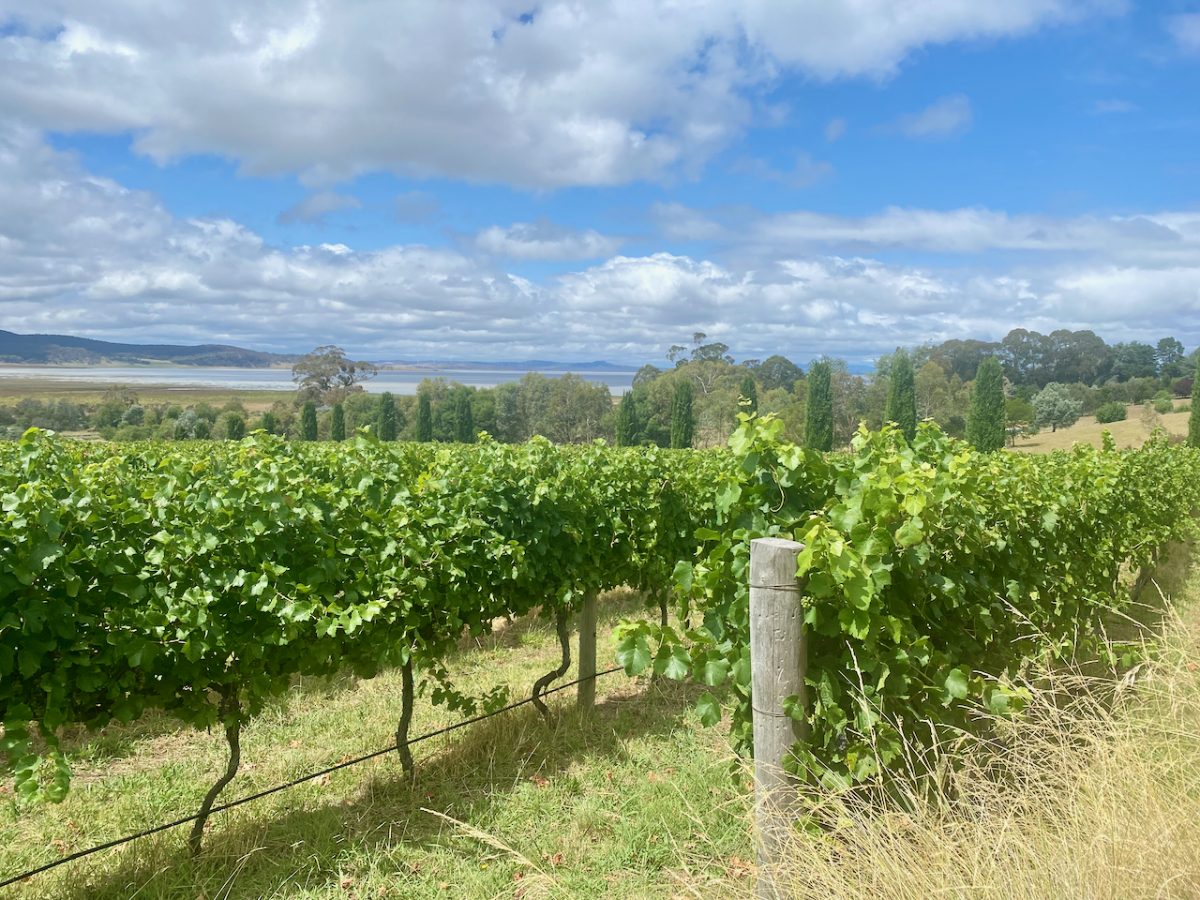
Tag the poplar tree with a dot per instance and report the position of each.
(818, 416)
(424, 418)
(269, 423)
(749, 391)
(385, 418)
(308, 421)
(683, 422)
(1194, 418)
(985, 420)
(627, 424)
(902, 396)
(337, 426)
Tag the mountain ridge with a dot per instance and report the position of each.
(64, 349)
(68, 350)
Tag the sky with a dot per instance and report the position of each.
(493, 180)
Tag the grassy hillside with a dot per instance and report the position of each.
(1130, 433)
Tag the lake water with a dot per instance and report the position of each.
(395, 380)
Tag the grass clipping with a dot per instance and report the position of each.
(1094, 793)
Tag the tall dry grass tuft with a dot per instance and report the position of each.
(1094, 793)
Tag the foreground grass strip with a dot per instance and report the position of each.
(329, 770)
(637, 800)
(1094, 794)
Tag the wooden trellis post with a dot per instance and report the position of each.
(777, 661)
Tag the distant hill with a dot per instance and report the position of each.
(64, 350)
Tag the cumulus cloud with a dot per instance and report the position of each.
(566, 94)
(85, 255)
(941, 119)
(316, 207)
(544, 240)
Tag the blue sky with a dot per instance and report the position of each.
(491, 180)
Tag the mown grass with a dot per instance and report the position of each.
(1095, 793)
(1132, 432)
(636, 800)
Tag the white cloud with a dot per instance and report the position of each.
(1185, 31)
(1113, 107)
(416, 207)
(316, 207)
(1159, 237)
(873, 37)
(682, 223)
(941, 119)
(573, 93)
(835, 129)
(544, 240)
(84, 255)
(804, 172)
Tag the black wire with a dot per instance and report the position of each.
(80, 854)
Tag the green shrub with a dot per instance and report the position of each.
(1164, 406)
(1110, 412)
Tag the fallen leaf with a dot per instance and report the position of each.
(539, 780)
(738, 868)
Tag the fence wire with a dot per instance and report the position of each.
(222, 807)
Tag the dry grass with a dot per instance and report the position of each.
(1130, 433)
(37, 387)
(1095, 794)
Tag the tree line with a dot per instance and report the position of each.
(692, 400)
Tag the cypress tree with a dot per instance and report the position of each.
(749, 391)
(985, 421)
(235, 426)
(385, 418)
(627, 424)
(337, 426)
(818, 416)
(464, 421)
(269, 423)
(1194, 418)
(683, 422)
(902, 396)
(424, 418)
(308, 421)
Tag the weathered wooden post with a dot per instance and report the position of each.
(586, 696)
(777, 661)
